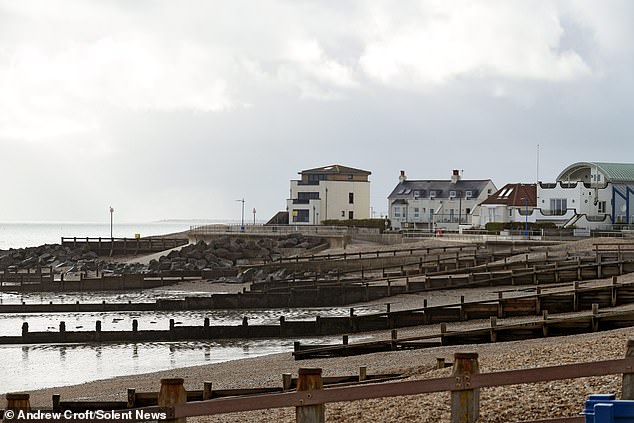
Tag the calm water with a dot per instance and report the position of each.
(11, 324)
(20, 235)
(30, 367)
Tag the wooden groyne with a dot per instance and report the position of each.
(548, 326)
(338, 291)
(124, 246)
(45, 282)
(576, 299)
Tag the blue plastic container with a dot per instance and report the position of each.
(605, 408)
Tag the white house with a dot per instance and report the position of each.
(430, 204)
(512, 203)
(329, 192)
(589, 195)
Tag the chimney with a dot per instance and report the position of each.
(402, 177)
(455, 176)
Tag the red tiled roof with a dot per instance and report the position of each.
(514, 195)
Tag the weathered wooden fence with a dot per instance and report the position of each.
(122, 246)
(311, 397)
(575, 299)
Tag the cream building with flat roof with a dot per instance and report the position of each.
(330, 192)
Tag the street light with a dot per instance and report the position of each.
(242, 220)
(253, 216)
(526, 225)
(111, 214)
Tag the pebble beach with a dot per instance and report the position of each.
(502, 404)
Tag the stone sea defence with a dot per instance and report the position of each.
(222, 253)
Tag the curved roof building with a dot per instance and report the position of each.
(598, 173)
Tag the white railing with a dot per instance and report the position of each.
(268, 229)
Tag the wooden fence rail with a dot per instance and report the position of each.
(311, 396)
(464, 384)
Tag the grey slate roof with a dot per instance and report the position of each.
(614, 172)
(407, 188)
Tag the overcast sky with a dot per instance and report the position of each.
(168, 109)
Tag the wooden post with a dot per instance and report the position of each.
(344, 340)
(440, 362)
(56, 398)
(575, 297)
(287, 381)
(393, 338)
(131, 397)
(172, 393)
(465, 401)
(17, 402)
(595, 320)
(613, 292)
(500, 306)
(363, 373)
(628, 378)
(25, 329)
(207, 390)
(538, 304)
(494, 322)
(544, 323)
(308, 380)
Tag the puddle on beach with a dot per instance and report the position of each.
(139, 296)
(31, 367)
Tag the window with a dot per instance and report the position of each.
(416, 212)
(432, 194)
(308, 196)
(316, 177)
(601, 205)
(510, 212)
(350, 215)
(451, 215)
(397, 212)
(300, 216)
(598, 177)
(468, 211)
(558, 205)
(351, 198)
(407, 191)
(343, 213)
(452, 194)
(401, 191)
(468, 194)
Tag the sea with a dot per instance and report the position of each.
(32, 234)
(30, 367)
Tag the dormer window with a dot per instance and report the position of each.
(432, 194)
(452, 194)
(469, 194)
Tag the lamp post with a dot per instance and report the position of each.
(253, 216)
(242, 219)
(111, 214)
(526, 225)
